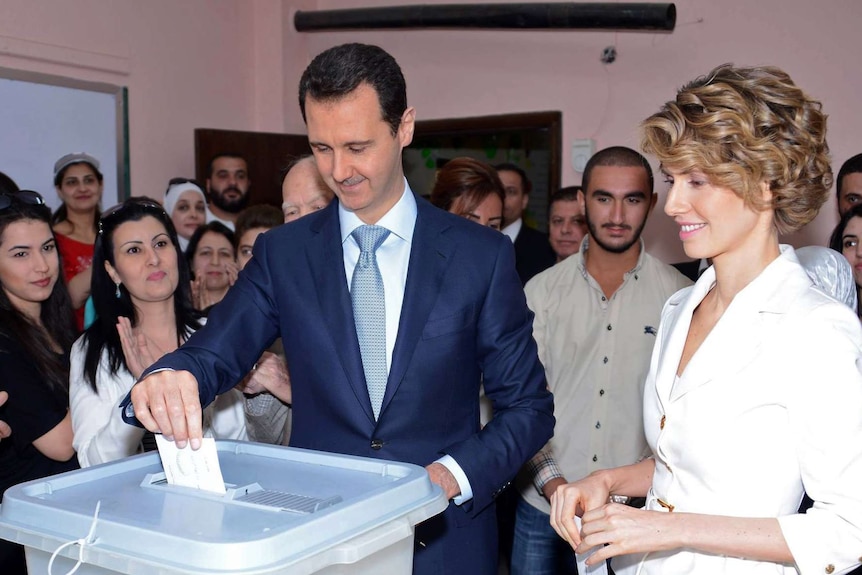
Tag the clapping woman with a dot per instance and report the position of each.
(754, 390)
(212, 258)
(143, 305)
(36, 332)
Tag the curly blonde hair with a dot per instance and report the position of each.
(744, 126)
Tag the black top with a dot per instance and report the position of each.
(533, 253)
(32, 410)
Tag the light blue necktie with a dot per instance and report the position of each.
(369, 312)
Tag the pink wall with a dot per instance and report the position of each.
(186, 64)
(468, 73)
(235, 64)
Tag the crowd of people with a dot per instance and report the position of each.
(567, 391)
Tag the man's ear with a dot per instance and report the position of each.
(652, 202)
(405, 129)
(581, 196)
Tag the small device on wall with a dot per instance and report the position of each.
(582, 151)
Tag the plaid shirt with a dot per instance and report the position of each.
(543, 468)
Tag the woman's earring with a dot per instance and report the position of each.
(117, 293)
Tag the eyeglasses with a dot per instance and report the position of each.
(131, 202)
(28, 197)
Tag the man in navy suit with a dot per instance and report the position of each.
(533, 252)
(455, 315)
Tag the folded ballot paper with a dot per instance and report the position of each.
(189, 468)
(581, 558)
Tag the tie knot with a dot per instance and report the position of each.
(369, 238)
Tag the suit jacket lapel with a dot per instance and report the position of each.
(429, 254)
(326, 261)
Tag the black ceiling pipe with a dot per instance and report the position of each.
(548, 15)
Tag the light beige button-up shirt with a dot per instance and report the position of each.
(596, 353)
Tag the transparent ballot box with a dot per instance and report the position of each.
(286, 511)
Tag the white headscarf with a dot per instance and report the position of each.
(172, 196)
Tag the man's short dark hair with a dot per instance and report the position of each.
(236, 155)
(851, 166)
(526, 184)
(567, 194)
(338, 71)
(618, 156)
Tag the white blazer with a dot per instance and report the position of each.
(769, 405)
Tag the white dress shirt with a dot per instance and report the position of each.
(513, 229)
(393, 259)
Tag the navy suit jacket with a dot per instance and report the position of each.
(464, 321)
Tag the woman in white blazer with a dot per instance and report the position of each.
(754, 394)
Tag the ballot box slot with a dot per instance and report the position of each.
(252, 495)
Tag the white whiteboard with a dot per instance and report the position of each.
(40, 122)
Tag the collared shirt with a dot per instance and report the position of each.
(393, 259)
(596, 353)
(513, 229)
(211, 217)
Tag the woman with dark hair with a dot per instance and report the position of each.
(250, 223)
(754, 390)
(79, 185)
(847, 239)
(7, 184)
(212, 260)
(471, 189)
(36, 332)
(143, 306)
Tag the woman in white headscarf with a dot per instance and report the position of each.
(186, 204)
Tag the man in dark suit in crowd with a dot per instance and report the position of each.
(848, 184)
(533, 252)
(692, 269)
(391, 311)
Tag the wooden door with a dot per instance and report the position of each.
(268, 154)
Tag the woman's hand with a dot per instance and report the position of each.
(575, 499)
(232, 271)
(200, 295)
(620, 530)
(140, 351)
(270, 374)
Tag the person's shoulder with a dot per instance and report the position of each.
(666, 272)
(9, 345)
(532, 237)
(457, 227)
(561, 272)
(532, 233)
(14, 359)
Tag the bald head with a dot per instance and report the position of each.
(303, 190)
